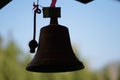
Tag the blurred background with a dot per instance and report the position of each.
(94, 29)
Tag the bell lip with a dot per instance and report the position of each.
(54, 68)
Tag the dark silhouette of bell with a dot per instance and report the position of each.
(54, 53)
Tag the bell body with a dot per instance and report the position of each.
(54, 53)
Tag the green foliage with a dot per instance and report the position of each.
(106, 74)
(12, 68)
(119, 73)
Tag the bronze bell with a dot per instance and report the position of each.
(54, 53)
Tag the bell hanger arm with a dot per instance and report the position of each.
(3, 3)
(84, 1)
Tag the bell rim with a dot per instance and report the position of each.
(54, 68)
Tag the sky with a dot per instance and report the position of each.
(94, 27)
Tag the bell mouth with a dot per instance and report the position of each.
(54, 68)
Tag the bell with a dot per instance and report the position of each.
(54, 53)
